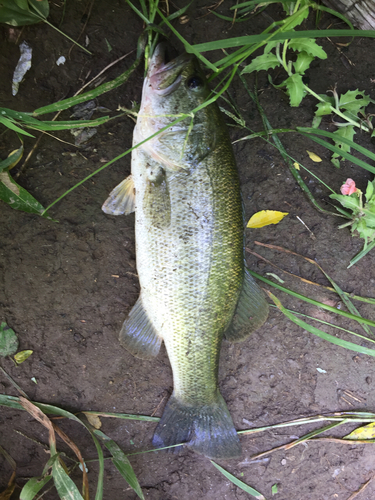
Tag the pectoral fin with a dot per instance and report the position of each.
(121, 199)
(251, 311)
(138, 334)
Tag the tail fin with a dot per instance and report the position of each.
(208, 430)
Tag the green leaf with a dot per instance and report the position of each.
(16, 196)
(324, 108)
(263, 62)
(369, 189)
(308, 45)
(239, 483)
(121, 462)
(364, 231)
(12, 126)
(354, 100)
(303, 62)
(320, 333)
(295, 88)
(33, 486)
(351, 202)
(23, 12)
(13, 158)
(346, 132)
(8, 340)
(66, 489)
(274, 489)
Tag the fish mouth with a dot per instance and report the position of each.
(165, 77)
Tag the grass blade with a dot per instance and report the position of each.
(12, 158)
(17, 197)
(312, 301)
(228, 43)
(125, 416)
(309, 132)
(65, 487)
(121, 462)
(361, 254)
(320, 333)
(33, 486)
(91, 94)
(239, 483)
(189, 48)
(10, 124)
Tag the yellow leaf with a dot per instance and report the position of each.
(366, 432)
(265, 217)
(314, 157)
(296, 165)
(15, 162)
(94, 420)
(22, 356)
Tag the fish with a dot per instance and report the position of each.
(195, 289)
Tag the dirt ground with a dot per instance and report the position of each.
(67, 286)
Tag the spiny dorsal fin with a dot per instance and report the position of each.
(121, 199)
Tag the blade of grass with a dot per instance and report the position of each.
(309, 132)
(312, 301)
(278, 144)
(33, 486)
(228, 43)
(320, 333)
(91, 94)
(189, 48)
(343, 296)
(328, 324)
(65, 487)
(312, 434)
(368, 300)
(121, 462)
(239, 483)
(361, 254)
(125, 416)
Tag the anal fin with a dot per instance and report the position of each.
(251, 311)
(138, 335)
(121, 199)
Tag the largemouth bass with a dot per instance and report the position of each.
(185, 191)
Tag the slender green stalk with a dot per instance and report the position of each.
(312, 301)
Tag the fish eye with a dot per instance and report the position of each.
(194, 82)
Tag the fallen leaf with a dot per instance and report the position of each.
(366, 432)
(94, 420)
(296, 165)
(22, 356)
(314, 156)
(265, 217)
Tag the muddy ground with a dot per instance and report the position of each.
(67, 286)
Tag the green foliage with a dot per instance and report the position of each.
(351, 109)
(362, 219)
(22, 12)
(8, 340)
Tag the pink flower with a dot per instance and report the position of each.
(349, 187)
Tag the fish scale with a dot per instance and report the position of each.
(185, 191)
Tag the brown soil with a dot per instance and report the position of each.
(67, 286)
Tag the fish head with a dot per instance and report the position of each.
(171, 89)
